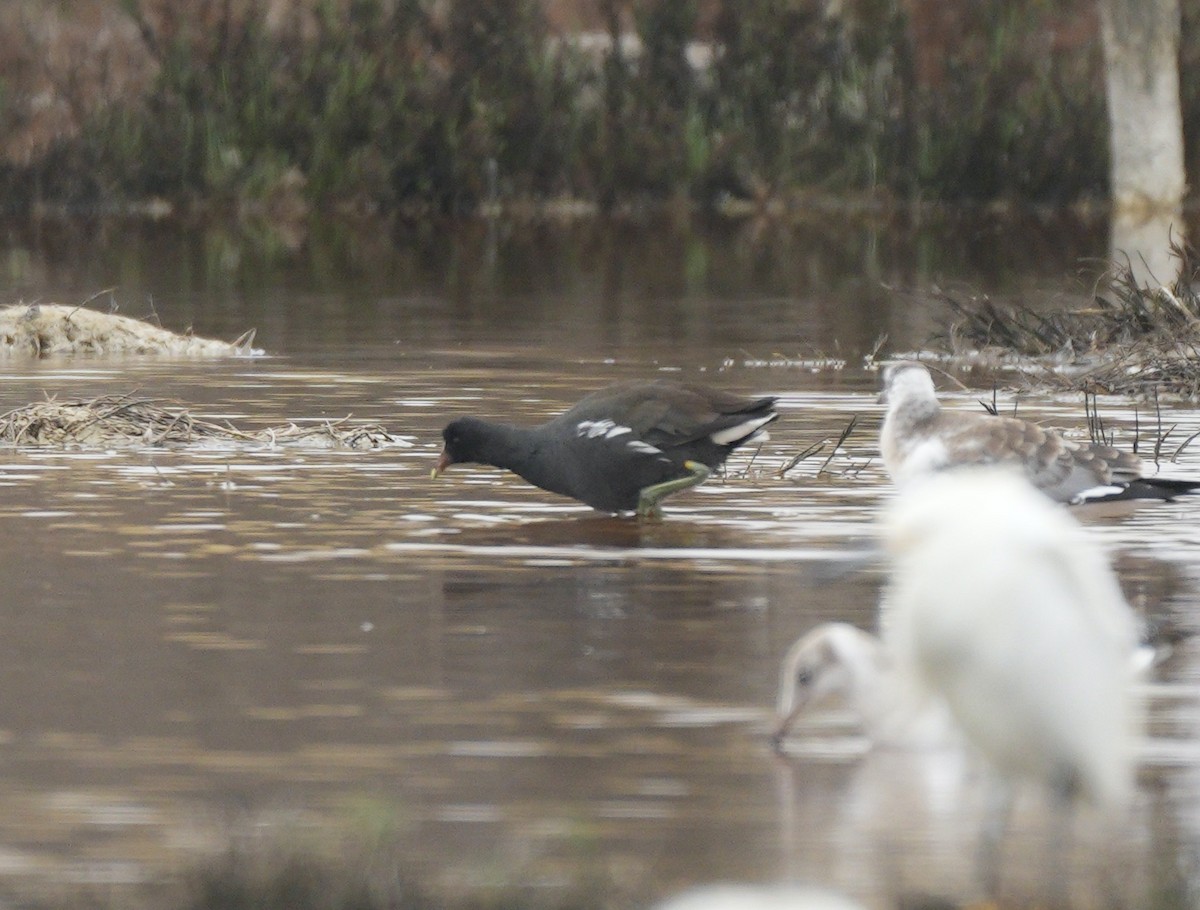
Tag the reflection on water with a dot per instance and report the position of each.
(591, 288)
(529, 689)
(1143, 240)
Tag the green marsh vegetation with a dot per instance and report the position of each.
(354, 860)
(455, 107)
(310, 879)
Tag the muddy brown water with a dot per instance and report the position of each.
(206, 641)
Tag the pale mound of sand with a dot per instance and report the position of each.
(42, 329)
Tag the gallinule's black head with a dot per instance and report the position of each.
(620, 449)
(467, 439)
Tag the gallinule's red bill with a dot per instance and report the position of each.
(620, 449)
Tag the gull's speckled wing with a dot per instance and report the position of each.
(1061, 468)
(919, 437)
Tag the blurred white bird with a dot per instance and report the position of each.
(919, 438)
(839, 663)
(1002, 605)
(758, 897)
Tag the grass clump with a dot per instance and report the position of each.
(238, 881)
(305, 881)
(1131, 338)
(363, 867)
(258, 878)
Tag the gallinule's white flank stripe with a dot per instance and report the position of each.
(620, 449)
(920, 437)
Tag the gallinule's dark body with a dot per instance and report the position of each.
(622, 448)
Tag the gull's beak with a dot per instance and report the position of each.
(779, 734)
(793, 702)
(444, 461)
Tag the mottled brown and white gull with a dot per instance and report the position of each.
(921, 437)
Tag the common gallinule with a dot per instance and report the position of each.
(920, 437)
(620, 449)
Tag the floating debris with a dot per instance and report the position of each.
(43, 329)
(125, 421)
(817, 364)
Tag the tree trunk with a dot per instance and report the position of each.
(1141, 57)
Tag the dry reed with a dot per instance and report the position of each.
(1132, 339)
(126, 421)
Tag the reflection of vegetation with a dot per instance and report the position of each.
(1130, 339)
(451, 105)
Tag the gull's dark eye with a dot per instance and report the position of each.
(804, 676)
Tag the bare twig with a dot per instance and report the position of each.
(837, 445)
(88, 300)
(807, 453)
(1183, 445)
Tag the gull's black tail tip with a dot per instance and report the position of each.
(1162, 489)
(1159, 488)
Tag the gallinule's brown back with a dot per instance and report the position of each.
(622, 448)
